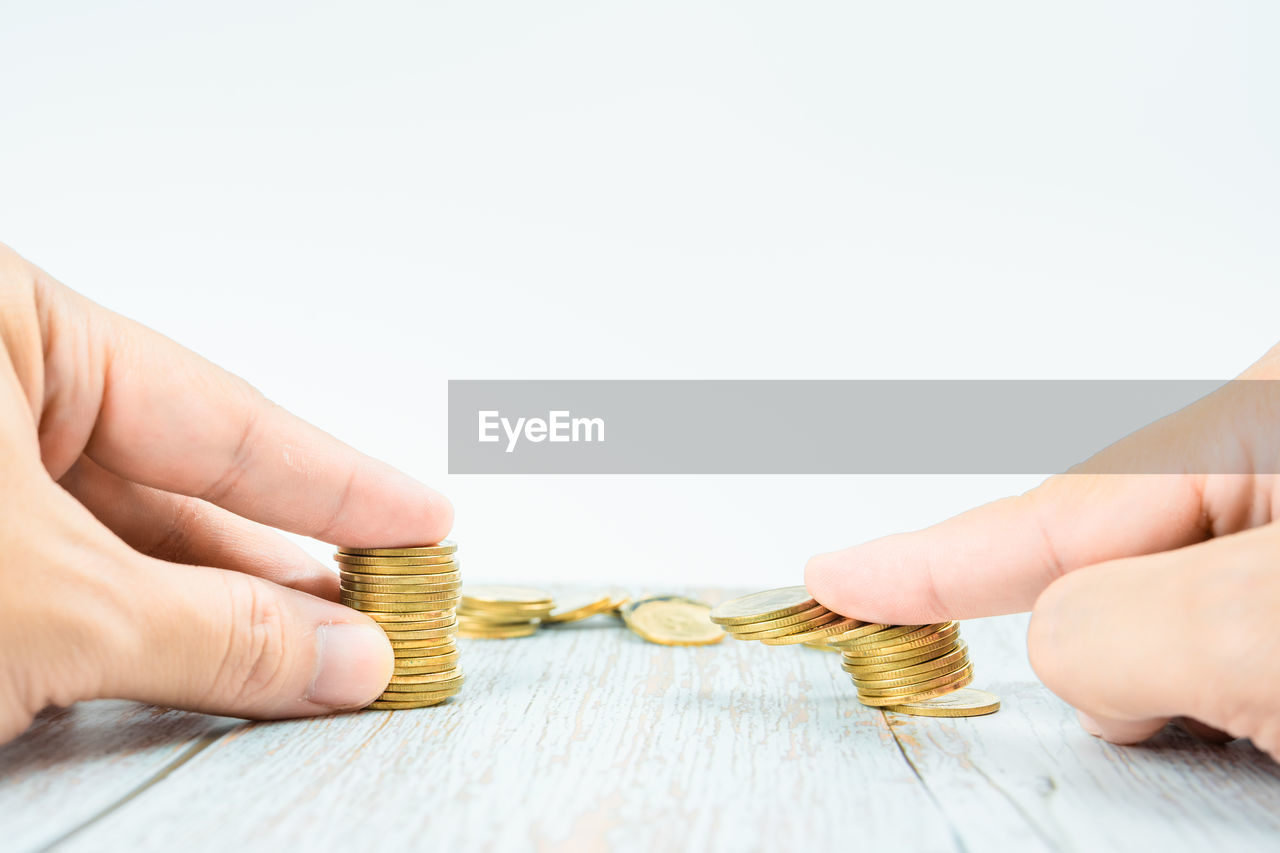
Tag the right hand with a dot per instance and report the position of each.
(1153, 596)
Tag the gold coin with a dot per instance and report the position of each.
(433, 679)
(812, 614)
(827, 618)
(763, 606)
(927, 682)
(445, 547)
(880, 701)
(620, 598)
(371, 607)
(965, 702)
(842, 624)
(417, 666)
(493, 612)
(874, 678)
(396, 565)
(421, 691)
(857, 633)
(410, 564)
(518, 629)
(409, 616)
(399, 580)
(932, 638)
(860, 666)
(499, 620)
(417, 692)
(400, 588)
(403, 597)
(507, 595)
(939, 646)
(419, 648)
(575, 608)
(389, 574)
(820, 645)
(416, 630)
(497, 633)
(418, 695)
(379, 705)
(426, 634)
(672, 620)
(443, 620)
(897, 633)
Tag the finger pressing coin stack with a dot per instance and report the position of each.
(502, 612)
(412, 593)
(904, 668)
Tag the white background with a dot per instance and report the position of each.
(350, 203)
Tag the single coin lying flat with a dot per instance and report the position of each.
(672, 620)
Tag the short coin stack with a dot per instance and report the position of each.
(502, 612)
(904, 668)
(411, 593)
(895, 665)
(780, 617)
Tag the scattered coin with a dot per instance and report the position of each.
(502, 612)
(672, 620)
(584, 605)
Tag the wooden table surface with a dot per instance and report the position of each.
(586, 737)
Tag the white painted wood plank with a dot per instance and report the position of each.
(73, 763)
(587, 737)
(579, 738)
(1076, 791)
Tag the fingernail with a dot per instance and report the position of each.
(353, 665)
(1089, 724)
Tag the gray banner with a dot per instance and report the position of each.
(707, 427)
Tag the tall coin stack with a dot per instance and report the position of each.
(904, 668)
(412, 593)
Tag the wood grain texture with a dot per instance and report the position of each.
(585, 737)
(75, 762)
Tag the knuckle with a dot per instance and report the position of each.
(255, 662)
(175, 542)
(1049, 635)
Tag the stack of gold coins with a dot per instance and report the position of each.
(780, 617)
(894, 665)
(502, 612)
(904, 668)
(412, 593)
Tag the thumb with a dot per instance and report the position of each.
(1135, 642)
(228, 643)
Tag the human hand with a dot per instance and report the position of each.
(1153, 596)
(124, 456)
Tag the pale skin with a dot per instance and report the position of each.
(139, 485)
(1154, 597)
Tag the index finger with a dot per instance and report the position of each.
(169, 419)
(999, 557)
